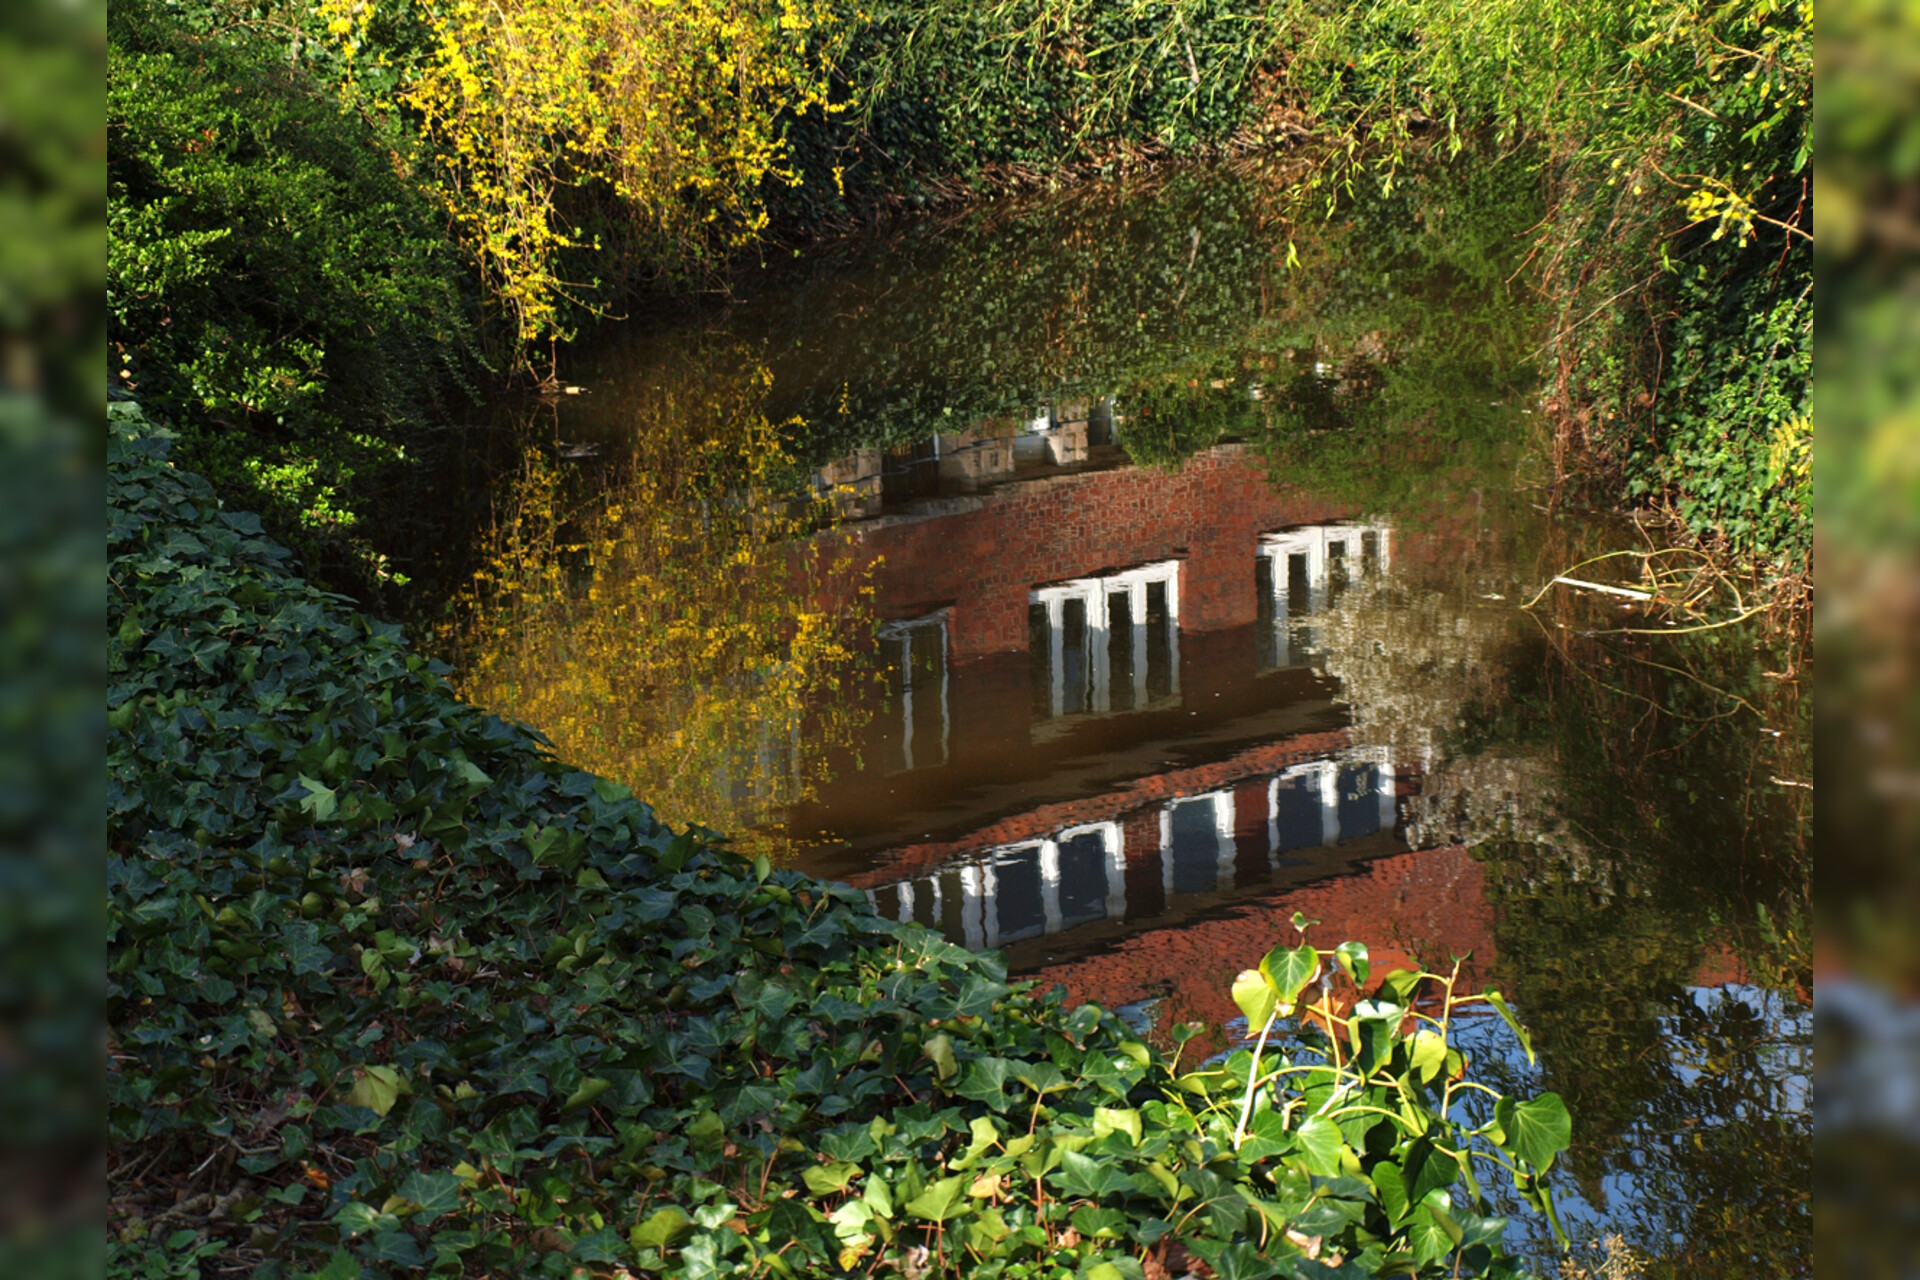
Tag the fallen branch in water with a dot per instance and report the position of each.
(1674, 580)
(1628, 592)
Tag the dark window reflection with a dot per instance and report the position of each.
(1296, 813)
(916, 656)
(1120, 651)
(1073, 656)
(1160, 673)
(1022, 911)
(1359, 805)
(1040, 668)
(1083, 877)
(1299, 586)
(1268, 620)
(1193, 846)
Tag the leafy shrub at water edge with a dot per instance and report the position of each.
(394, 992)
(275, 284)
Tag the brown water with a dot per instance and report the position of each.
(1079, 579)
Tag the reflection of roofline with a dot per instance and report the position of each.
(893, 864)
(1103, 460)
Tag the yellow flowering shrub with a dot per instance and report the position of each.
(674, 106)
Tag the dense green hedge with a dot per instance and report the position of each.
(276, 284)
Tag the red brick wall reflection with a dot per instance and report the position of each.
(984, 561)
(1429, 904)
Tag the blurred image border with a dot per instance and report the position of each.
(1867, 631)
(52, 657)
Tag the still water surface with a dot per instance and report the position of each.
(1079, 578)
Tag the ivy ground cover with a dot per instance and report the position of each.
(393, 992)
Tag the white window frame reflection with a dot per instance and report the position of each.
(1323, 778)
(1321, 546)
(978, 886)
(1226, 850)
(1097, 595)
(902, 634)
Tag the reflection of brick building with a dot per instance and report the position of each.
(1131, 804)
(1428, 904)
(1059, 633)
(1107, 748)
(1101, 711)
(1182, 843)
(980, 556)
(1104, 716)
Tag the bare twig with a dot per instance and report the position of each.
(1629, 592)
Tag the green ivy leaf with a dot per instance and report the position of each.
(1107, 1224)
(1125, 1120)
(1352, 957)
(1428, 1053)
(878, 1195)
(707, 1131)
(1042, 1076)
(598, 1246)
(791, 1222)
(1391, 1188)
(826, 1179)
(940, 1049)
(1290, 969)
(944, 1199)
(432, 1194)
(1536, 1131)
(1501, 1007)
(1254, 992)
(590, 1088)
(321, 801)
(1428, 1240)
(376, 1088)
(470, 773)
(1320, 1142)
(1267, 1136)
(985, 1081)
(1083, 1175)
(664, 1229)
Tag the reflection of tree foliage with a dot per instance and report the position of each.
(1619, 794)
(1426, 345)
(1072, 297)
(663, 617)
(1685, 851)
(1167, 424)
(1139, 289)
